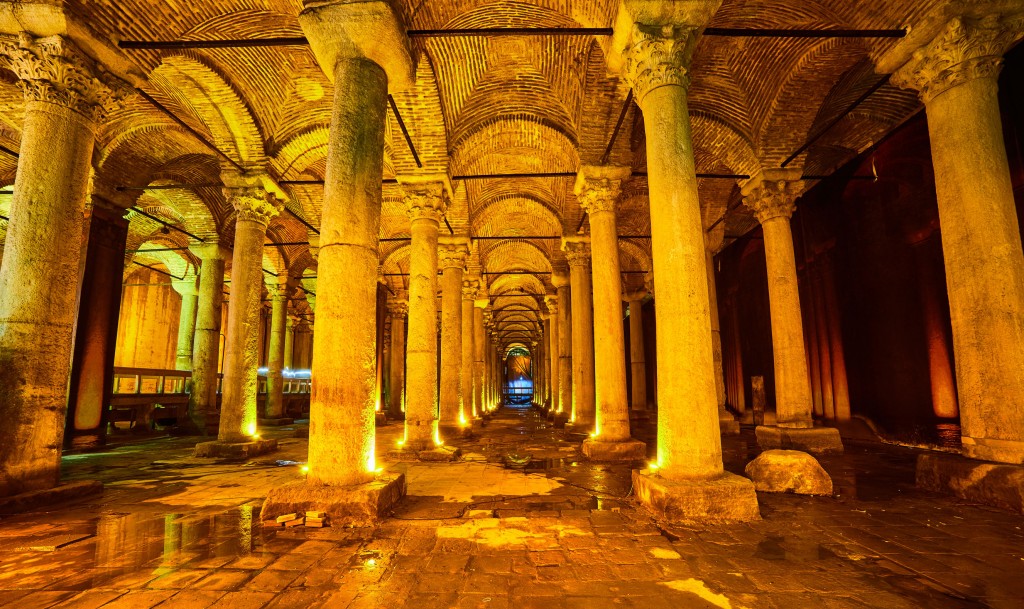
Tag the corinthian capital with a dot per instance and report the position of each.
(470, 289)
(53, 70)
(966, 49)
(452, 252)
(426, 197)
(659, 56)
(253, 204)
(598, 187)
(398, 307)
(577, 250)
(773, 193)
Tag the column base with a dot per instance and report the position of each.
(789, 471)
(625, 450)
(380, 419)
(279, 422)
(448, 432)
(235, 450)
(815, 440)
(559, 420)
(640, 415)
(361, 505)
(728, 498)
(49, 497)
(997, 484)
(993, 449)
(580, 427)
(727, 424)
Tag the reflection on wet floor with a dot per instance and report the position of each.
(551, 531)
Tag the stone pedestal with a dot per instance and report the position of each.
(728, 424)
(724, 499)
(624, 450)
(815, 440)
(359, 505)
(997, 484)
(235, 450)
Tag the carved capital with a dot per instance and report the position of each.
(470, 289)
(53, 70)
(577, 251)
(659, 56)
(398, 308)
(185, 287)
(773, 193)
(966, 49)
(278, 291)
(452, 255)
(426, 197)
(598, 187)
(551, 302)
(560, 279)
(253, 204)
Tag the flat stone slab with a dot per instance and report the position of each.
(48, 497)
(997, 484)
(815, 440)
(728, 498)
(628, 450)
(281, 422)
(789, 471)
(235, 450)
(361, 505)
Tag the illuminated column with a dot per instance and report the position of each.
(398, 308)
(254, 208)
(452, 259)
(726, 422)
(39, 277)
(940, 369)
(956, 74)
(840, 385)
(560, 280)
(470, 406)
(289, 342)
(488, 378)
(497, 368)
(186, 321)
(772, 196)
(577, 253)
(274, 407)
(638, 366)
(426, 200)
(689, 482)
(551, 327)
(202, 402)
(597, 189)
(479, 347)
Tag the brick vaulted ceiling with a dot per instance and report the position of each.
(480, 105)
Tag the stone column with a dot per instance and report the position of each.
(577, 253)
(772, 197)
(426, 200)
(39, 277)
(289, 342)
(479, 346)
(398, 308)
(638, 367)
(471, 408)
(597, 189)
(688, 480)
(254, 207)
(727, 423)
(956, 74)
(551, 352)
(274, 407)
(202, 402)
(363, 47)
(560, 280)
(189, 292)
(452, 259)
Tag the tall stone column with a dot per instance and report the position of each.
(688, 481)
(289, 342)
(772, 197)
(470, 408)
(39, 277)
(452, 255)
(189, 292)
(560, 280)
(274, 407)
(236, 435)
(597, 189)
(202, 402)
(551, 337)
(727, 423)
(577, 253)
(956, 75)
(637, 363)
(362, 46)
(426, 200)
(398, 308)
(479, 350)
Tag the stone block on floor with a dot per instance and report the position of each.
(728, 425)
(728, 498)
(815, 440)
(360, 505)
(783, 471)
(996, 484)
(235, 450)
(49, 497)
(627, 450)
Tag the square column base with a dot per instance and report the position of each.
(361, 505)
(455, 431)
(997, 484)
(728, 425)
(49, 497)
(281, 422)
(728, 498)
(814, 440)
(235, 450)
(626, 450)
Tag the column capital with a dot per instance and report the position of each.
(452, 252)
(772, 193)
(635, 296)
(314, 245)
(559, 279)
(210, 250)
(427, 196)
(397, 307)
(551, 302)
(598, 186)
(186, 286)
(470, 288)
(965, 49)
(278, 291)
(577, 251)
(53, 69)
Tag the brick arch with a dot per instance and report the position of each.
(515, 255)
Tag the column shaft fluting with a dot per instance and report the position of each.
(583, 405)
(202, 402)
(275, 359)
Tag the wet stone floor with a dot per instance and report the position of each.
(552, 531)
